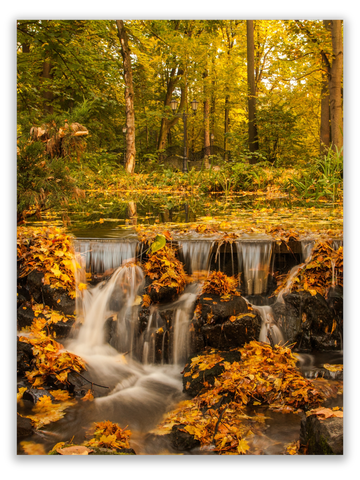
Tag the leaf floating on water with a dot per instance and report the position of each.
(333, 368)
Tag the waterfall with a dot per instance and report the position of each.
(254, 260)
(104, 255)
(270, 332)
(195, 254)
(307, 246)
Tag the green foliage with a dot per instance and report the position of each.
(324, 179)
(42, 182)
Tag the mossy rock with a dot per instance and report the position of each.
(101, 451)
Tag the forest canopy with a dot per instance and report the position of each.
(145, 95)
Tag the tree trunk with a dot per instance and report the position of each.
(226, 123)
(47, 95)
(206, 120)
(129, 98)
(165, 123)
(335, 85)
(253, 137)
(325, 116)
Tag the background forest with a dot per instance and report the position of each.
(267, 93)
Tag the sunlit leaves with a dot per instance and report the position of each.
(220, 284)
(48, 250)
(109, 435)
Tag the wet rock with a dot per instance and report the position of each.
(310, 323)
(322, 437)
(25, 316)
(62, 329)
(335, 302)
(58, 299)
(182, 440)
(101, 451)
(24, 357)
(212, 306)
(24, 427)
(163, 295)
(33, 395)
(206, 379)
(232, 334)
(34, 284)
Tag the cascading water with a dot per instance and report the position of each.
(196, 254)
(307, 246)
(254, 260)
(139, 393)
(270, 332)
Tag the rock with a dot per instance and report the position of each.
(182, 440)
(34, 395)
(34, 284)
(163, 295)
(58, 299)
(322, 437)
(232, 334)
(24, 427)
(219, 311)
(193, 386)
(25, 316)
(310, 323)
(101, 451)
(61, 329)
(24, 357)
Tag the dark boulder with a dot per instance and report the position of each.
(232, 334)
(163, 294)
(322, 436)
(25, 316)
(33, 395)
(62, 329)
(34, 284)
(310, 323)
(216, 310)
(58, 299)
(24, 357)
(24, 427)
(203, 379)
(181, 440)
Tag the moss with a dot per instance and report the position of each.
(99, 451)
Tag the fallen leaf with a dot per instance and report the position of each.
(75, 450)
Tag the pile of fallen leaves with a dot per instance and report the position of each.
(220, 284)
(165, 270)
(324, 269)
(109, 435)
(48, 250)
(50, 356)
(265, 376)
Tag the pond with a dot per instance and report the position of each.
(123, 355)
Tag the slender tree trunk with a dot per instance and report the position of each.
(206, 119)
(129, 98)
(165, 123)
(253, 137)
(335, 85)
(325, 116)
(226, 122)
(47, 95)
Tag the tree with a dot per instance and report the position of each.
(129, 98)
(335, 85)
(253, 136)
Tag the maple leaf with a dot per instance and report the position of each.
(88, 397)
(32, 448)
(242, 447)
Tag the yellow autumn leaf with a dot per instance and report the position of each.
(20, 393)
(88, 397)
(242, 447)
(82, 286)
(32, 448)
